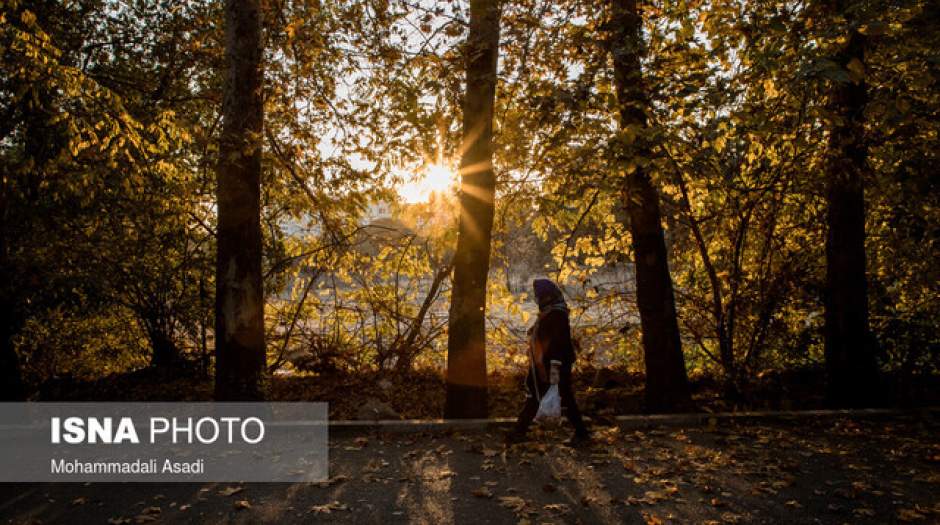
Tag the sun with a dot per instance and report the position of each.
(435, 178)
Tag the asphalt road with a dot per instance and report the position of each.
(884, 470)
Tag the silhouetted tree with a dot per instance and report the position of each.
(849, 347)
(466, 341)
(667, 387)
(239, 328)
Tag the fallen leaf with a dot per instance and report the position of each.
(909, 515)
(333, 481)
(242, 504)
(515, 503)
(329, 507)
(483, 492)
(229, 491)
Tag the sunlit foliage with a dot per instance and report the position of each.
(110, 117)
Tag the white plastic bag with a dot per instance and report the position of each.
(550, 406)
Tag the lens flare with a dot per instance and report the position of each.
(435, 178)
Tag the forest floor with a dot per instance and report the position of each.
(601, 392)
(811, 470)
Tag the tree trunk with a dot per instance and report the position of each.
(11, 379)
(850, 361)
(466, 350)
(667, 387)
(239, 307)
(41, 145)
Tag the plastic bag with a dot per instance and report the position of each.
(550, 406)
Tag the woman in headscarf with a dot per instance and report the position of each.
(550, 340)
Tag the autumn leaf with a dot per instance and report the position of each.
(483, 492)
(230, 491)
(148, 515)
(333, 481)
(515, 503)
(557, 508)
(909, 515)
(857, 69)
(328, 508)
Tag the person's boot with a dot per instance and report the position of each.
(580, 439)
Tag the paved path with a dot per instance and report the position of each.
(810, 470)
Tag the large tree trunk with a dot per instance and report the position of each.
(11, 380)
(239, 308)
(667, 387)
(850, 361)
(466, 350)
(41, 145)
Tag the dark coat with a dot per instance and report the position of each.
(552, 340)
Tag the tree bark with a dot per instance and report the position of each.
(466, 350)
(41, 145)
(239, 332)
(667, 387)
(11, 378)
(849, 347)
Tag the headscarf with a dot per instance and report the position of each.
(548, 296)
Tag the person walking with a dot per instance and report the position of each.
(550, 345)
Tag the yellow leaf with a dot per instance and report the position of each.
(856, 69)
(909, 515)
